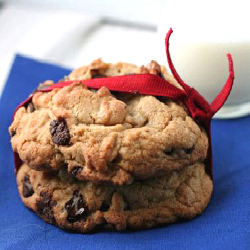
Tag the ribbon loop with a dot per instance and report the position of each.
(220, 99)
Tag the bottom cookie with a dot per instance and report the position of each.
(84, 206)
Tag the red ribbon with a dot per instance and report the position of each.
(149, 84)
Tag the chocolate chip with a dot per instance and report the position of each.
(64, 166)
(49, 174)
(30, 107)
(189, 150)
(98, 76)
(161, 75)
(169, 151)
(161, 98)
(45, 196)
(104, 207)
(76, 170)
(12, 133)
(44, 207)
(179, 153)
(44, 167)
(60, 132)
(116, 160)
(95, 73)
(76, 207)
(27, 187)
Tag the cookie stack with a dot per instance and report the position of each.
(99, 159)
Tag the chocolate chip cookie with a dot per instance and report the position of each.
(83, 206)
(104, 136)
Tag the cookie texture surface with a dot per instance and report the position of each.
(107, 137)
(83, 206)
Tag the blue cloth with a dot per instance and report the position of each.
(223, 225)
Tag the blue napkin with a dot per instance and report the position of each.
(225, 224)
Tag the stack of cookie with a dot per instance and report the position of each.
(100, 159)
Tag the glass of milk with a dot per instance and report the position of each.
(204, 32)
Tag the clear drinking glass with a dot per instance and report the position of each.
(204, 32)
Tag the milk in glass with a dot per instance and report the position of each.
(204, 32)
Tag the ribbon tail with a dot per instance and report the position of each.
(171, 65)
(220, 99)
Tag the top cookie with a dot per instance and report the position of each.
(107, 137)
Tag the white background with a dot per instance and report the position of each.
(72, 33)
